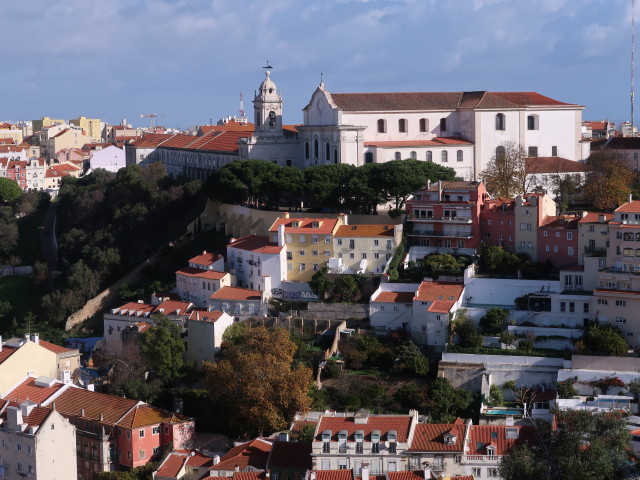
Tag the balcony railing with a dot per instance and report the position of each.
(436, 218)
(480, 458)
(432, 233)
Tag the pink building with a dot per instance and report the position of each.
(498, 223)
(444, 217)
(558, 240)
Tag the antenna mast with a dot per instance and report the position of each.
(241, 106)
(633, 42)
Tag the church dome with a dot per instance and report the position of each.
(268, 89)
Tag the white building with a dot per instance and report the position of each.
(205, 330)
(253, 258)
(37, 442)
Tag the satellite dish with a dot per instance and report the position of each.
(386, 444)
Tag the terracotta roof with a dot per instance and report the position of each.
(429, 437)
(334, 474)
(362, 231)
(197, 272)
(629, 207)
(553, 165)
(592, 217)
(236, 293)
(439, 100)
(73, 400)
(560, 222)
(172, 307)
(36, 417)
(383, 423)
(435, 142)
(172, 465)
(228, 127)
(205, 316)
(55, 348)
(206, 259)
(290, 455)
(134, 308)
(7, 352)
(305, 225)
(150, 140)
(250, 476)
(254, 453)
(595, 125)
(28, 390)
(439, 291)
(256, 243)
(145, 415)
(407, 475)
(393, 297)
(481, 436)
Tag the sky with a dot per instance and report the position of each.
(189, 60)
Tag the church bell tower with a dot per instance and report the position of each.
(267, 106)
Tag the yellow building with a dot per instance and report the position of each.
(90, 126)
(45, 122)
(19, 356)
(7, 130)
(308, 243)
(364, 248)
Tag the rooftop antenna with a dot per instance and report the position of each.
(241, 106)
(267, 67)
(633, 41)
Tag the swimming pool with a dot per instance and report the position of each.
(503, 412)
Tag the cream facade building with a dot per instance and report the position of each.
(14, 132)
(37, 125)
(18, 356)
(90, 126)
(205, 330)
(530, 211)
(364, 248)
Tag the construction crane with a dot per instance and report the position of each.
(152, 118)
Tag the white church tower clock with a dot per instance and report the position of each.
(267, 106)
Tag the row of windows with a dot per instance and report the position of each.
(444, 156)
(546, 234)
(315, 253)
(403, 125)
(532, 151)
(547, 248)
(572, 307)
(303, 238)
(316, 151)
(533, 122)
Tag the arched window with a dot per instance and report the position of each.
(402, 125)
(459, 155)
(368, 157)
(500, 121)
(414, 155)
(443, 125)
(429, 156)
(306, 150)
(532, 122)
(500, 152)
(382, 126)
(335, 155)
(315, 148)
(424, 124)
(637, 237)
(445, 156)
(327, 151)
(398, 156)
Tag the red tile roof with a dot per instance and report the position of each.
(145, 415)
(629, 207)
(560, 222)
(205, 259)
(434, 291)
(254, 453)
(197, 272)
(481, 436)
(394, 297)
(90, 405)
(134, 308)
(236, 293)
(439, 100)
(407, 475)
(172, 307)
(363, 231)
(334, 474)
(553, 165)
(6, 352)
(55, 348)
(256, 243)
(305, 225)
(435, 142)
(383, 423)
(205, 316)
(172, 465)
(593, 217)
(429, 437)
(36, 417)
(290, 455)
(28, 390)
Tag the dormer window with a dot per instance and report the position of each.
(359, 438)
(326, 441)
(315, 224)
(392, 438)
(491, 450)
(375, 441)
(295, 224)
(449, 439)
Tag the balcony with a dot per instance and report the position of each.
(595, 252)
(432, 233)
(481, 458)
(453, 219)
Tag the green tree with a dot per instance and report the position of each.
(605, 340)
(495, 396)
(9, 191)
(321, 284)
(439, 264)
(566, 389)
(506, 173)
(412, 360)
(445, 403)
(495, 259)
(608, 181)
(493, 321)
(507, 337)
(468, 335)
(162, 346)
(346, 289)
(523, 463)
(255, 386)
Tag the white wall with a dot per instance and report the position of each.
(502, 291)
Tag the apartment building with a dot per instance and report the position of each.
(252, 258)
(364, 248)
(557, 240)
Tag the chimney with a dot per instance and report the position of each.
(364, 473)
(428, 183)
(101, 417)
(285, 215)
(0, 343)
(281, 236)
(631, 197)
(439, 190)
(236, 468)
(283, 437)
(312, 475)
(35, 338)
(427, 470)
(216, 459)
(602, 219)
(82, 412)
(14, 418)
(204, 252)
